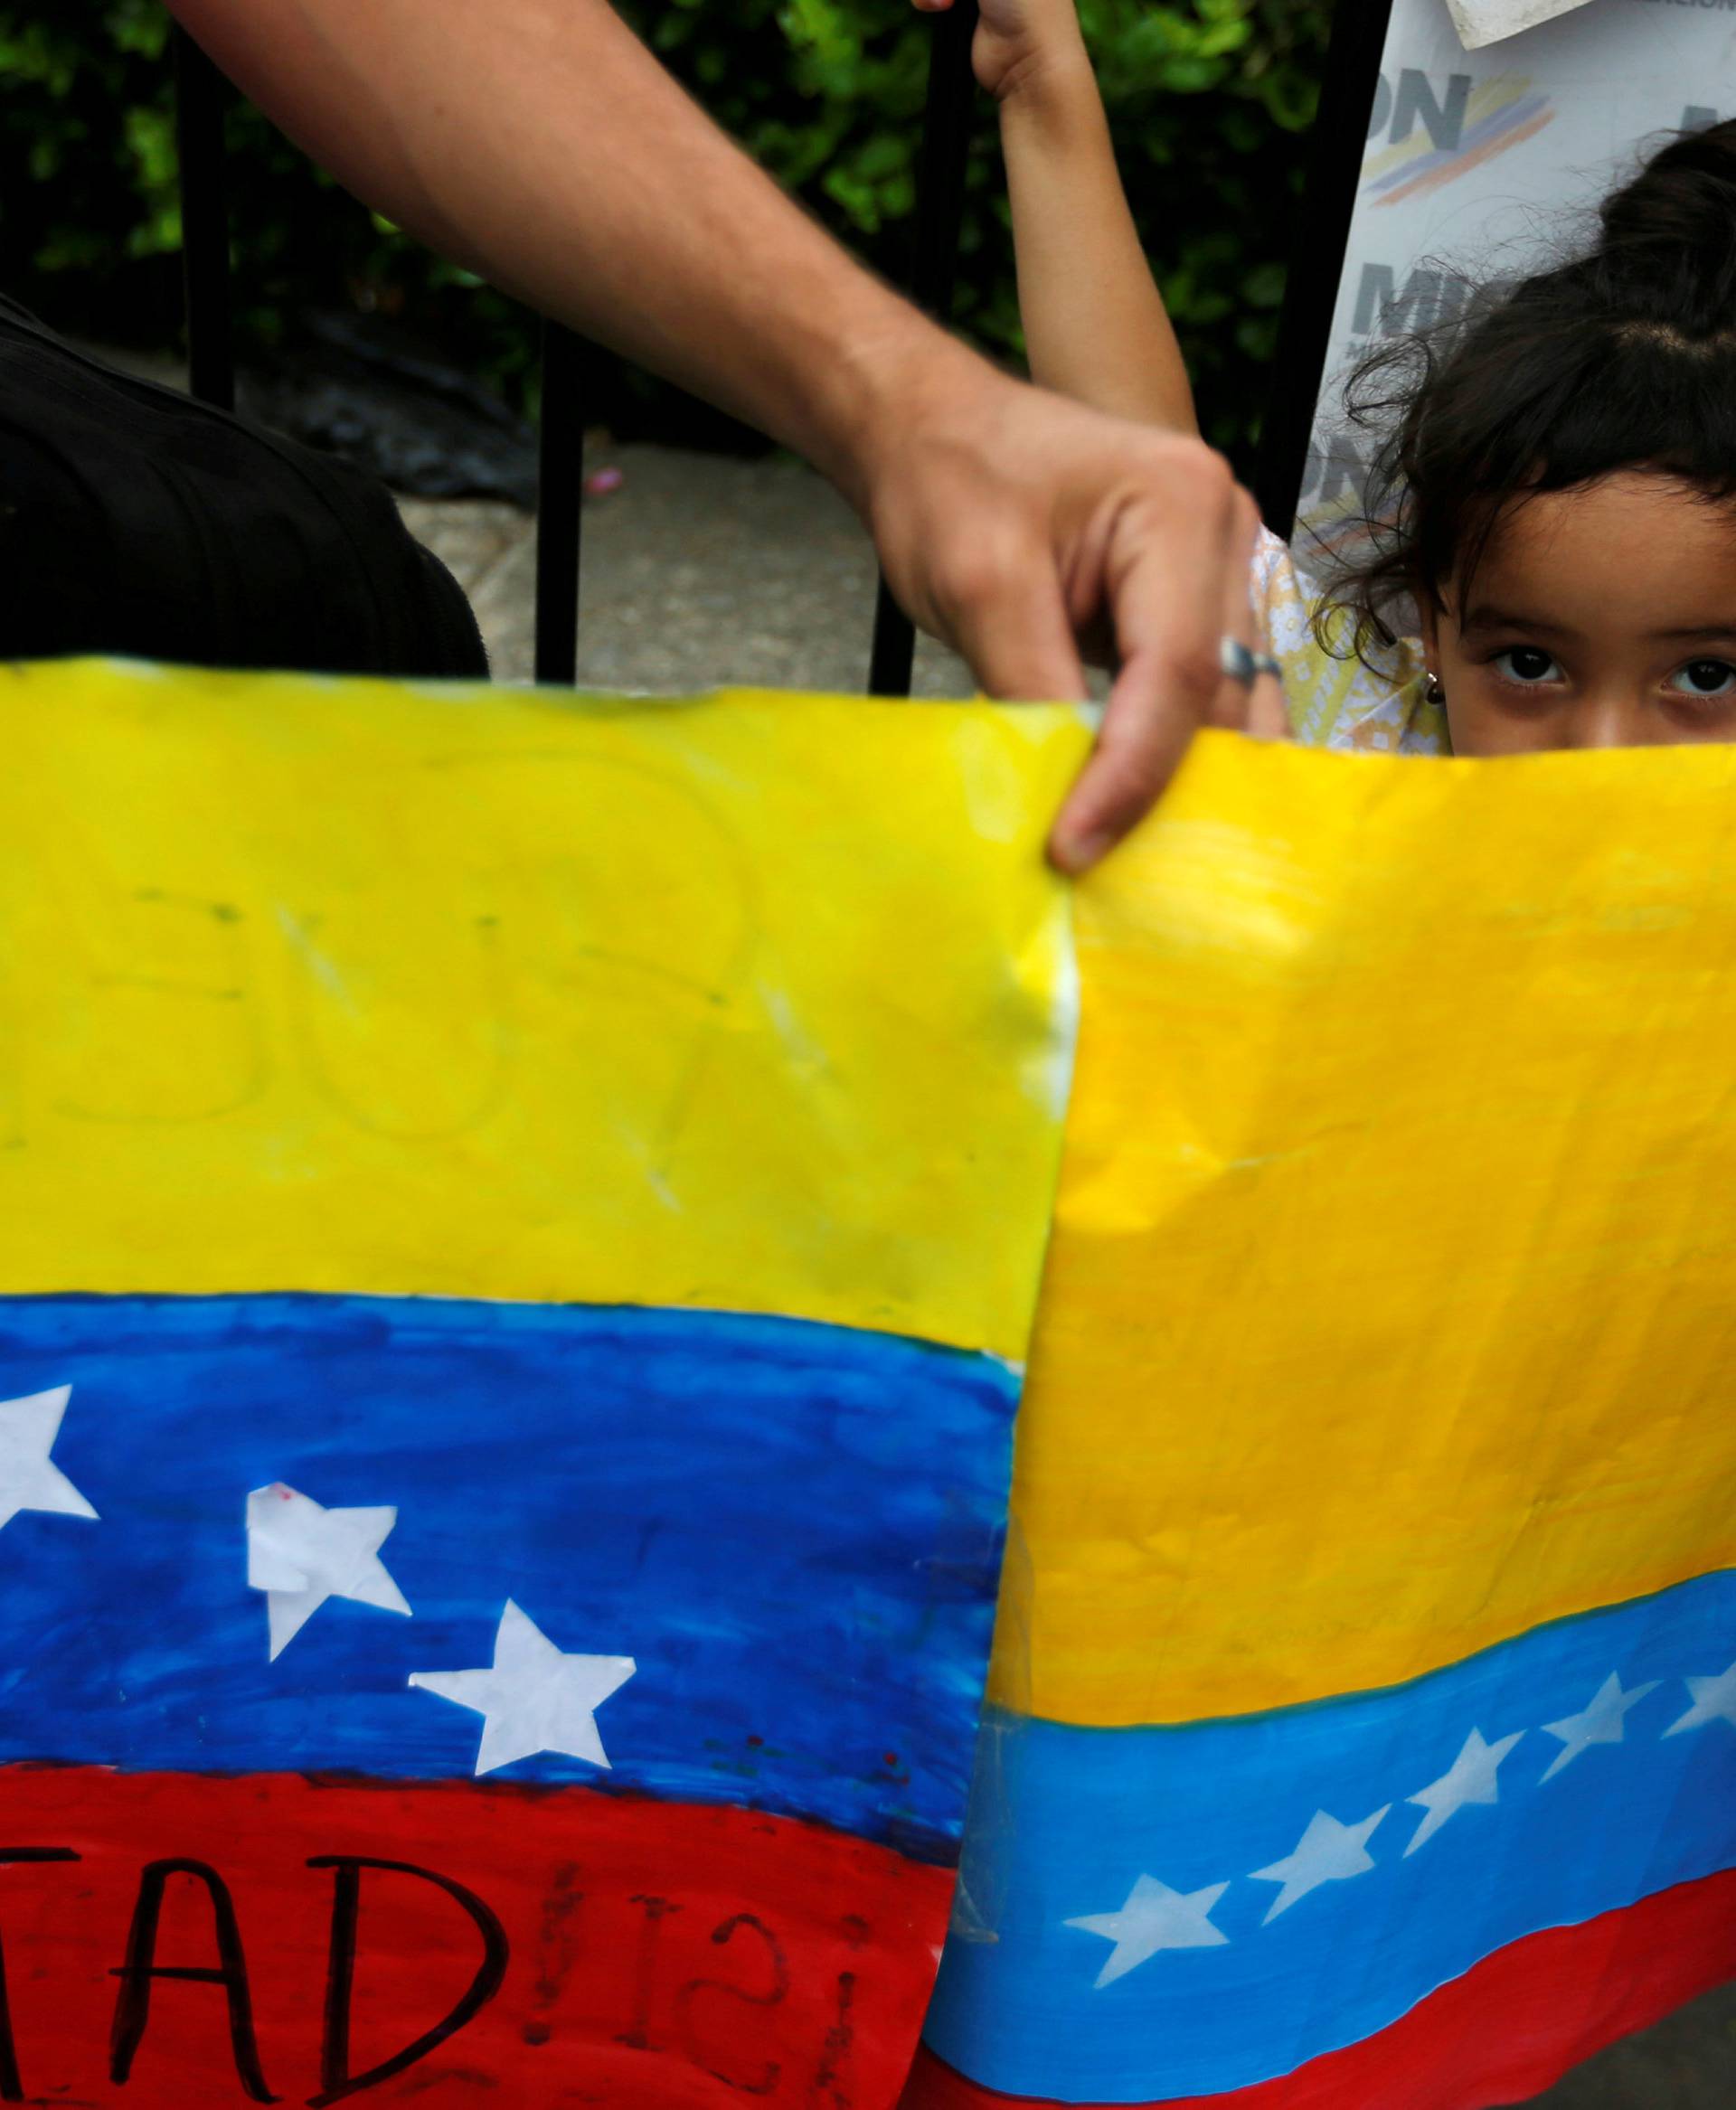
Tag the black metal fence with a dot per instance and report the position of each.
(1317, 249)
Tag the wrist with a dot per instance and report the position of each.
(887, 383)
(1053, 79)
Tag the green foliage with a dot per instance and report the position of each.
(1207, 99)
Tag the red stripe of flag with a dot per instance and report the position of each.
(172, 1940)
(1510, 2028)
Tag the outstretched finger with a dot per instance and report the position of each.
(1255, 707)
(1268, 716)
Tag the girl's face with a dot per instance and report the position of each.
(1603, 617)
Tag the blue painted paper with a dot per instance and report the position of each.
(1210, 1803)
(793, 1529)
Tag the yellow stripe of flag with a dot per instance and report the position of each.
(753, 1003)
(1391, 1305)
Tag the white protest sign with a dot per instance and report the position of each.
(1486, 22)
(1480, 163)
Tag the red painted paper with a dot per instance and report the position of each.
(221, 1936)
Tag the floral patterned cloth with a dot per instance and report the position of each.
(1341, 702)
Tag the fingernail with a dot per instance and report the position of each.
(1076, 857)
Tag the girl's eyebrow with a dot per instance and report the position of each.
(1486, 617)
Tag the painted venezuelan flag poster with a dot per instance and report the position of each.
(1362, 1731)
(523, 1226)
(509, 1337)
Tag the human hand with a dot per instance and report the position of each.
(1018, 41)
(1026, 531)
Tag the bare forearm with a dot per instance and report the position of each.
(540, 143)
(537, 141)
(1095, 323)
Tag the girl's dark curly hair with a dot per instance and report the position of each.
(1622, 358)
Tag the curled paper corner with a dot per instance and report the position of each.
(1490, 22)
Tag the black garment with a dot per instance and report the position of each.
(138, 523)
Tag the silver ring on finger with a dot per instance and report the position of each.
(1243, 665)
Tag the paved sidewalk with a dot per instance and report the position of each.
(1687, 2063)
(699, 572)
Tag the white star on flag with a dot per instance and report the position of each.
(1470, 1778)
(1327, 1852)
(533, 1697)
(1154, 1917)
(28, 1427)
(299, 1553)
(1714, 1699)
(1600, 1723)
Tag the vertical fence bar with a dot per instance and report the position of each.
(561, 477)
(201, 99)
(1319, 239)
(940, 213)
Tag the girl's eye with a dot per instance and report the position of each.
(1527, 665)
(1705, 678)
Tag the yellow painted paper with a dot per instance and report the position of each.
(1391, 1305)
(655, 1003)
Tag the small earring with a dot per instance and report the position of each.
(1433, 692)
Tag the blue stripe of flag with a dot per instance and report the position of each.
(1069, 1820)
(793, 1530)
